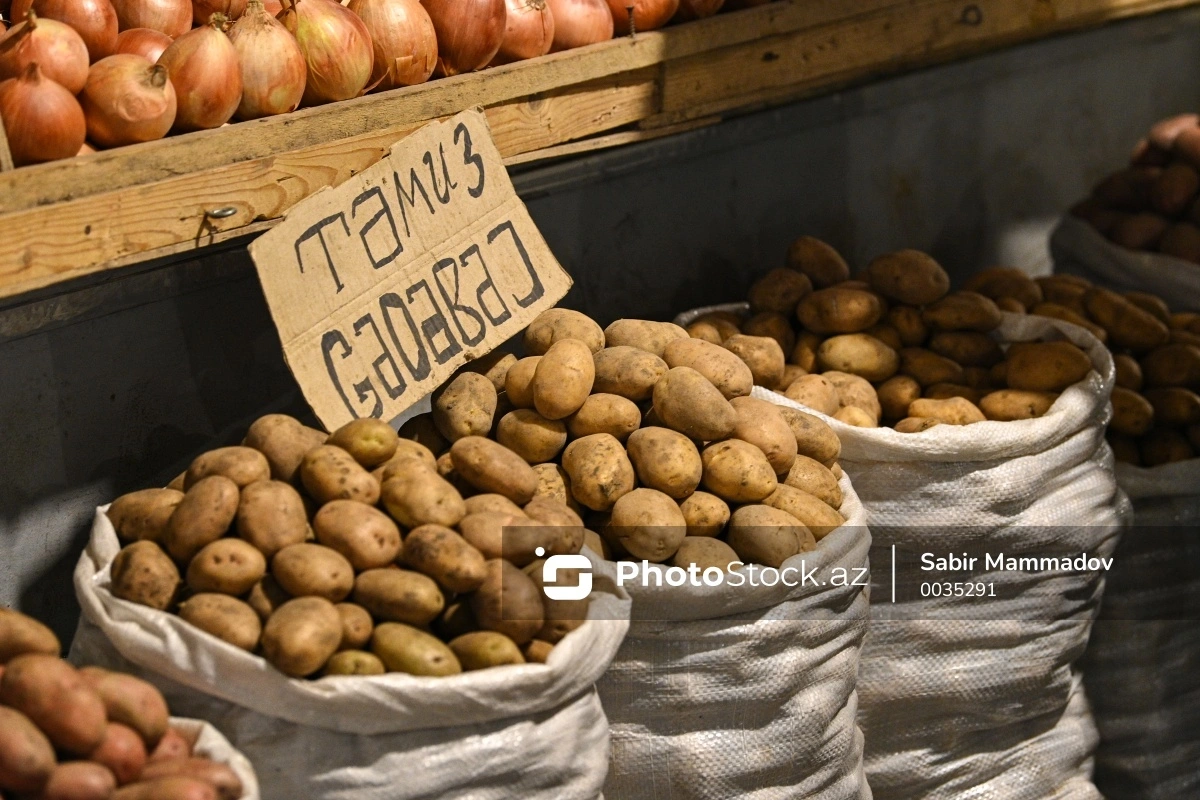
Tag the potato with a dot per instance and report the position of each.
(445, 556)
(772, 325)
(968, 348)
(143, 514)
(599, 470)
(21, 634)
(908, 324)
(816, 479)
(705, 553)
(561, 616)
(1000, 282)
(227, 566)
(354, 662)
(731, 375)
(365, 536)
(173, 745)
(804, 354)
(485, 531)
(1141, 231)
(715, 326)
(761, 534)
(494, 366)
(816, 392)
(627, 371)
(455, 621)
(558, 324)
(791, 374)
(1064, 290)
(811, 511)
(895, 395)
(301, 636)
(554, 483)
(1174, 406)
(761, 424)
(762, 354)
(266, 596)
(563, 379)
(666, 460)
(814, 438)
(174, 788)
(465, 406)
(928, 368)
(130, 701)
(561, 522)
(1006, 405)
(977, 378)
(944, 391)
(56, 699)
(737, 472)
(1172, 365)
(283, 440)
(403, 648)
(1125, 448)
(853, 415)
(597, 545)
(202, 516)
(855, 392)
(370, 441)
(220, 776)
(492, 502)
(1046, 366)
(422, 496)
(271, 516)
(1174, 189)
(687, 402)
(1164, 446)
(330, 473)
(1055, 311)
(143, 573)
(820, 262)
(399, 595)
(916, 424)
(705, 514)
(1129, 372)
(858, 354)
(313, 569)
(491, 467)
(962, 311)
(648, 524)
(518, 382)
(951, 411)
(224, 617)
(839, 310)
(508, 602)
(779, 290)
(242, 465)
(652, 337)
(605, 413)
(79, 780)
(483, 649)
(1128, 326)
(26, 755)
(908, 276)
(356, 626)
(1133, 415)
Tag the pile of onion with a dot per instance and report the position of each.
(48, 42)
(469, 33)
(144, 42)
(404, 41)
(42, 120)
(337, 49)
(94, 20)
(273, 71)
(648, 15)
(528, 31)
(202, 10)
(580, 22)
(697, 9)
(204, 70)
(172, 17)
(127, 100)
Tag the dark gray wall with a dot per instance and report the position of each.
(114, 385)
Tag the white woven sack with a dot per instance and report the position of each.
(740, 692)
(208, 742)
(533, 731)
(954, 707)
(1142, 667)
(1078, 248)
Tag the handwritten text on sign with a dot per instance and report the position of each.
(383, 286)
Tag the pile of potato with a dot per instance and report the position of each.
(1154, 203)
(895, 346)
(90, 734)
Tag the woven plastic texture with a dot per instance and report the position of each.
(208, 742)
(532, 731)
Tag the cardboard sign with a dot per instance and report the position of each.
(383, 286)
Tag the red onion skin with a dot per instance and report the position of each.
(94, 20)
(172, 17)
(144, 42)
(337, 70)
(202, 10)
(54, 45)
(648, 15)
(282, 70)
(697, 9)
(580, 22)
(204, 70)
(525, 17)
(468, 36)
(42, 119)
(406, 26)
(143, 109)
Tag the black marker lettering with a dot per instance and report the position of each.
(435, 324)
(318, 230)
(453, 304)
(470, 157)
(393, 391)
(384, 211)
(363, 389)
(536, 292)
(420, 370)
(414, 186)
(442, 196)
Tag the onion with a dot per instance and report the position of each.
(273, 72)
(528, 31)
(404, 41)
(94, 20)
(580, 22)
(204, 70)
(86, 150)
(144, 42)
(49, 42)
(337, 49)
(697, 9)
(127, 99)
(43, 120)
(172, 17)
(273, 7)
(202, 10)
(648, 15)
(469, 33)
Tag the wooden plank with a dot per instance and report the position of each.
(6, 161)
(608, 141)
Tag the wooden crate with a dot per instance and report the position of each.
(71, 218)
